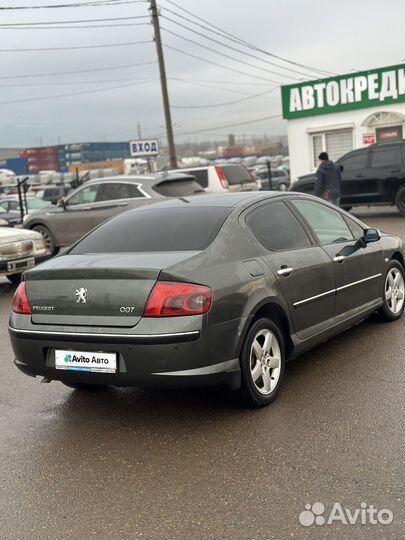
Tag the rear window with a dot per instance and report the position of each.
(164, 229)
(236, 174)
(178, 188)
(200, 175)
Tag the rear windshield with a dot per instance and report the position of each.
(178, 188)
(236, 174)
(161, 229)
(201, 175)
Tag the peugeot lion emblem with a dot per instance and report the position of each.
(81, 296)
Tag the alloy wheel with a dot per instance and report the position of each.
(265, 361)
(395, 290)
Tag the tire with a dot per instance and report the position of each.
(393, 292)
(260, 383)
(400, 200)
(48, 237)
(85, 387)
(14, 278)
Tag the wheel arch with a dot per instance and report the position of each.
(397, 256)
(270, 308)
(396, 187)
(42, 223)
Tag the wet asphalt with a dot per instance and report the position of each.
(132, 463)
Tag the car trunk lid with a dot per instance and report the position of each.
(96, 289)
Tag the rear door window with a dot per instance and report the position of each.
(236, 174)
(111, 191)
(276, 228)
(162, 229)
(386, 157)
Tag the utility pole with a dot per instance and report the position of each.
(139, 131)
(163, 82)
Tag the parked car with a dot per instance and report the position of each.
(224, 178)
(20, 250)
(280, 180)
(11, 203)
(98, 200)
(370, 176)
(50, 193)
(217, 289)
(9, 219)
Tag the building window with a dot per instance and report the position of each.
(335, 143)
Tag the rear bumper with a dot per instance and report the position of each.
(174, 360)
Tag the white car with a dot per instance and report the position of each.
(223, 178)
(20, 250)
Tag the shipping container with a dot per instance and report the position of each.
(18, 165)
(117, 165)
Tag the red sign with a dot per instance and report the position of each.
(369, 138)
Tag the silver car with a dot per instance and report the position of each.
(19, 251)
(98, 200)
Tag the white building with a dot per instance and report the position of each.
(343, 113)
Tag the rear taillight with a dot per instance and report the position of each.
(171, 299)
(222, 178)
(20, 301)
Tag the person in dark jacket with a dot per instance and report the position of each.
(328, 180)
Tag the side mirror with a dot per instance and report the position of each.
(62, 203)
(371, 235)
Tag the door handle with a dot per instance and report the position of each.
(339, 258)
(285, 271)
(360, 175)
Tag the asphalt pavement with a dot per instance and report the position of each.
(132, 463)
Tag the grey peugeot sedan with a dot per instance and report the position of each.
(98, 200)
(204, 290)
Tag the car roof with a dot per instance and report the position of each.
(38, 187)
(150, 179)
(225, 200)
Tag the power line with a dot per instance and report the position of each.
(225, 55)
(102, 46)
(234, 102)
(224, 82)
(230, 36)
(205, 85)
(90, 70)
(212, 128)
(221, 65)
(73, 27)
(71, 83)
(79, 21)
(74, 5)
(240, 51)
(45, 98)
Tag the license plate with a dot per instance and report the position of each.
(22, 264)
(94, 362)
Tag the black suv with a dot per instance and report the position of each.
(370, 176)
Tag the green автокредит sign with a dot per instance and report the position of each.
(384, 86)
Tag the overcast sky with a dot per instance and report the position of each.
(335, 36)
